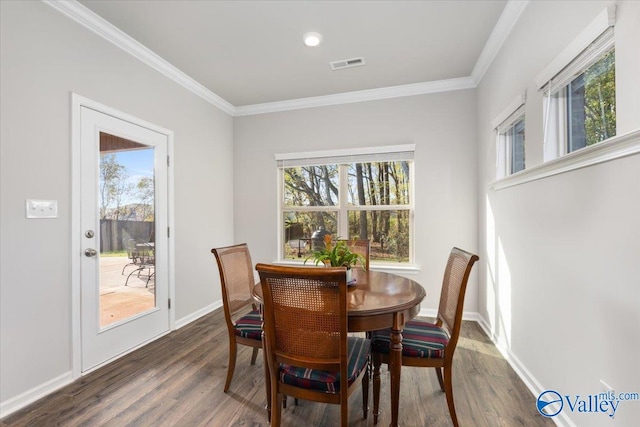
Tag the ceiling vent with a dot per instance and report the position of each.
(346, 63)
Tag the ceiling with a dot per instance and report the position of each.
(251, 52)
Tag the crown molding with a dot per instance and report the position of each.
(93, 22)
(90, 20)
(507, 21)
(359, 96)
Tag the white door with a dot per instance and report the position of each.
(124, 291)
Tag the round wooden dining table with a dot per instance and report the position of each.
(379, 300)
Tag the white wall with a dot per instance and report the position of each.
(442, 126)
(560, 270)
(45, 57)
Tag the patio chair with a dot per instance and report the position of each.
(132, 252)
(145, 260)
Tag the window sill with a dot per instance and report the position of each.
(610, 149)
(391, 268)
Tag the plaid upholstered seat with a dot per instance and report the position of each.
(309, 352)
(419, 339)
(329, 381)
(431, 345)
(249, 326)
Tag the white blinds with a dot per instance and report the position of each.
(588, 57)
(595, 40)
(350, 155)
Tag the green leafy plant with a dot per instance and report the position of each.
(338, 255)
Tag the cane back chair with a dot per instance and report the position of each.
(237, 280)
(309, 354)
(426, 344)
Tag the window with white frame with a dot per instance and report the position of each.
(510, 145)
(350, 194)
(580, 97)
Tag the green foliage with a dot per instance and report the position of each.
(337, 255)
(600, 100)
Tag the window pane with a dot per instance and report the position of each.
(304, 230)
(517, 147)
(311, 186)
(378, 183)
(592, 104)
(388, 232)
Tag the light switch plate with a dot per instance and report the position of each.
(42, 208)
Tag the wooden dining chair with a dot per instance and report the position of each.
(237, 280)
(308, 352)
(362, 247)
(427, 344)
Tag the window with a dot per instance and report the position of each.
(515, 138)
(580, 91)
(591, 104)
(350, 197)
(510, 128)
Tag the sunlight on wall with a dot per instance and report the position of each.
(490, 233)
(498, 280)
(504, 296)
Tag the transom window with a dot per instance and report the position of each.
(591, 104)
(580, 98)
(348, 197)
(511, 144)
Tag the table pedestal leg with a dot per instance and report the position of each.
(395, 365)
(267, 377)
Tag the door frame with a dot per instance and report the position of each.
(77, 102)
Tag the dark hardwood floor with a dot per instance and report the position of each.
(178, 381)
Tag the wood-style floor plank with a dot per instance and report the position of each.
(178, 381)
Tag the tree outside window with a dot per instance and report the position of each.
(361, 200)
(591, 104)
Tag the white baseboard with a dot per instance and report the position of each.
(432, 312)
(520, 369)
(30, 396)
(198, 314)
(18, 402)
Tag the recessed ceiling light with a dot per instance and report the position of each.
(312, 39)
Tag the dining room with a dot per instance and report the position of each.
(448, 132)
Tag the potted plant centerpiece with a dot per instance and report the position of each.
(338, 255)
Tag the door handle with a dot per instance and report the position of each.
(90, 252)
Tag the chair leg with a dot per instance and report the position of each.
(127, 281)
(344, 413)
(440, 380)
(276, 411)
(254, 355)
(123, 268)
(365, 389)
(377, 361)
(448, 387)
(233, 348)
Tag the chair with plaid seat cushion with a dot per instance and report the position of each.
(237, 280)
(308, 351)
(427, 344)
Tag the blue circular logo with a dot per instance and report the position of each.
(549, 403)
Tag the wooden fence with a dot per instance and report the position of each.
(113, 233)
